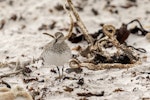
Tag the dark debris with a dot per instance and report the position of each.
(59, 7)
(123, 59)
(68, 89)
(5, 83)
(2, 23)
(76, 70)
(94, 11)
(81, 81)
(30, 80)
(89, 94)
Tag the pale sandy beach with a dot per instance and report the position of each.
(22, 23)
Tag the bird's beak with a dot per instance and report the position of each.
(49, 35)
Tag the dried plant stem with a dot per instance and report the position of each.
(3, 64)
(79, 22)
(77, 64)
(71, 26)
(71, 23)
(12, 73)
(101, 66)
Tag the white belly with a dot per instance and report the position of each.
(55, 58)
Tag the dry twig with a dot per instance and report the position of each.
(71, 24)
(11, 73)
(80, 23)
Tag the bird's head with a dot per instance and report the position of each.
(59, 37)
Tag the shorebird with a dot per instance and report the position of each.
(57, 52)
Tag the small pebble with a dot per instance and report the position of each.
(148, 36)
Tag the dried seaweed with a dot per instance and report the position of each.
(83, 99)
(122, 33)
(76, 70)
(68, 89)
(52, 26)
(95, 52)
(136, 29)
(30, 80)
(128, 5)
(122, 59)
(14, 17)
(118, 90)
(53, 71)
(2, 24)
(145, 98)
(89, 94)
(5, 83)
(142, 50)
(43, 27)
(80, 81)
(69, 78)
(59, 7)
(76, 39)
(94, 11)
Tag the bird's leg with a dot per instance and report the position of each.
(62, 71)
(58, 71)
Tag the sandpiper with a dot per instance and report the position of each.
(57, 52)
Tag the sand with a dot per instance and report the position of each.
(21, 39)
